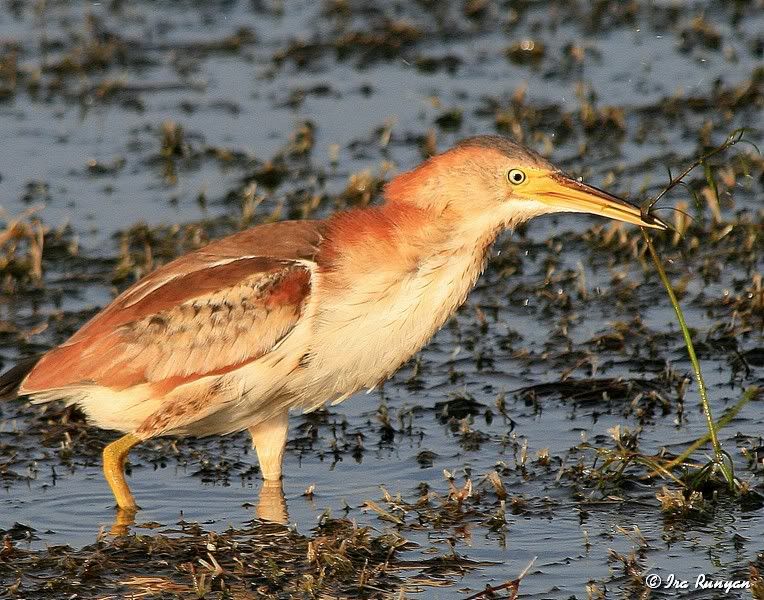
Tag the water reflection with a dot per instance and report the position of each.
(271, 506)
(123, 520)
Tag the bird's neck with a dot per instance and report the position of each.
(403, 239)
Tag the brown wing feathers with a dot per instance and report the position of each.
(207, 312)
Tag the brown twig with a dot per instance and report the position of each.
(513, 586)
(732, 139)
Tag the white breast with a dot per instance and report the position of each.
(361, 337)
(348, 341)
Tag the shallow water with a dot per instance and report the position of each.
(525, 324)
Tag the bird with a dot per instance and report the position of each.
(293, 315)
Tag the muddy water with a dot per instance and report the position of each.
(616, 94)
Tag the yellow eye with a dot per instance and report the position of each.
(515, 176)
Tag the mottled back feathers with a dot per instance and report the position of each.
(207, 312)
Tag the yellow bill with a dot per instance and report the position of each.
(566, 194)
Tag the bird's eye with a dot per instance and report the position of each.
(516, 176)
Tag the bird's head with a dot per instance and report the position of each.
(490, 182)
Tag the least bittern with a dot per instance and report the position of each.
(292, 315)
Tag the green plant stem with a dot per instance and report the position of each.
(718, 452)
(747, 396)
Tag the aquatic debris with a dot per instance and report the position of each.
(681, 502)
(186, 559)
(513, 587)
(526, 52)
(450, 120)
(21, 249)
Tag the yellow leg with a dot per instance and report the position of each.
(269, 439)
(114, 457)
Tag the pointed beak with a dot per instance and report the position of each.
(565, 194)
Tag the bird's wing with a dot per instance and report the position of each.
(208, 312)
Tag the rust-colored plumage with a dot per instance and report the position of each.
(178, 321)
(295, 314)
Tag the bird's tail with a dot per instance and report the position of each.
(12, 378)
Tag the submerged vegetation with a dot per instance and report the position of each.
(553, 417)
